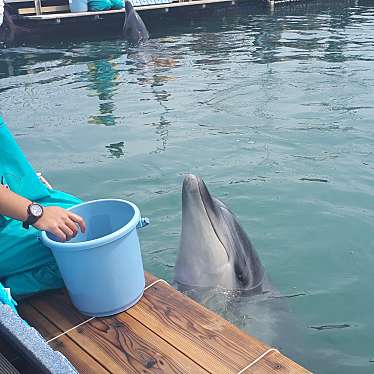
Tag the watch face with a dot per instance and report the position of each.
(36, 210)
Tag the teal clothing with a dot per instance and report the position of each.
(6, 298)
(26, 266)
(99, 5)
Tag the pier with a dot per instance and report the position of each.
(165, 332)
(52, 18)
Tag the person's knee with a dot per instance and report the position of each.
(34, 281)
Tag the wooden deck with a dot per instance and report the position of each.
(165, 332)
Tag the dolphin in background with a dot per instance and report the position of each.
(218, 267)
(134, 29)
(8, 29)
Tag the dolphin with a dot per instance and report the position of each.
(218, 267)
(134, 29)
(214, 249)
(8, 29)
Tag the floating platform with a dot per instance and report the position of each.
(57, 11)
(165, 332)
(51, 19)
(44, 20)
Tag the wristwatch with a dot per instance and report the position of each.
(34, 211)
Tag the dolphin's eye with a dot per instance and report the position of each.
(241, 276)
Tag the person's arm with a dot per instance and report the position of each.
(55, 220)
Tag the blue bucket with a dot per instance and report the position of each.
(78, 6)
(102, 268)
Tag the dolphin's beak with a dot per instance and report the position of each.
(190, 184)
(194, 189)
(191, 190)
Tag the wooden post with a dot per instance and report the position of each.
(38, 7)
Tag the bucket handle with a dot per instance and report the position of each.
(144, 221)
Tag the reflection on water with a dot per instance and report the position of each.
(117, 150)
(273, 108)
(163, 132)
(104, 78)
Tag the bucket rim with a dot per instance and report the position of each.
(67, 246)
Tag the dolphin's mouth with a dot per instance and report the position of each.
(195, 186)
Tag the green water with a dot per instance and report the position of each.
(256, 104)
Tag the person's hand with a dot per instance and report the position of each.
(60, 222)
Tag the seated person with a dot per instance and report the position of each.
(26, 206)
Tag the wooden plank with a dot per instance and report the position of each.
(44, 9)
(135, 344)
(138, 8)
(149, 279)
(16, 1)
(82, 361)
(23, 11)
(64, 15)
(205, 337)
(165, 330)
(121, 345)
(36, 320)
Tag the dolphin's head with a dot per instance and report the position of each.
(128, 7)
(214, 249)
